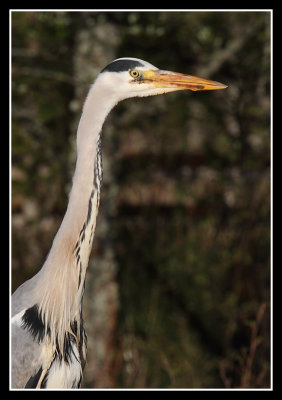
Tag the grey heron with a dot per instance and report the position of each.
(48, 337)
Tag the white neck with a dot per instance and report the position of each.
(84, 182)
(68, 258)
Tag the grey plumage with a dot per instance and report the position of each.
(24, 365)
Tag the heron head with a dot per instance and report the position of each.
(132, 77)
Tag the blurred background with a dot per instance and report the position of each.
(178, 286)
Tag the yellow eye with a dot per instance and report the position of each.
(134, 73)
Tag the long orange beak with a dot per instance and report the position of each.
(177, 81)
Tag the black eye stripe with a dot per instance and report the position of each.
(122, 65)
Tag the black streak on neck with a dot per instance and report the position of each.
(32, 321)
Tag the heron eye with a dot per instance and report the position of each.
(134, 73)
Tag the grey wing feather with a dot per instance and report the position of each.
(25, 356)
(25, 350)
(22, 298)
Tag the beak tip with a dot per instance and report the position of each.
(218, 86)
